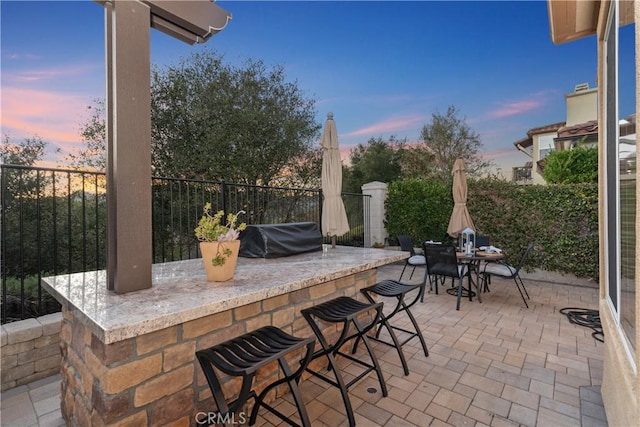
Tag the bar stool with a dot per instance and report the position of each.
(344, 310)
(398, 290)
(243, 356)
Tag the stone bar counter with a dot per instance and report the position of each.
(129, 359)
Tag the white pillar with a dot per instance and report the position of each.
(374, 230)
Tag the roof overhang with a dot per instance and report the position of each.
(573, 19)
(525, 145)
(191, 21)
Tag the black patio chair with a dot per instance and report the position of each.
(415, 259)
(443, 262)
(507, 271)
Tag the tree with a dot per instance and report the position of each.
(214, 121)
(573, 166)
(448, 138)
(304, 171)
(24, 153)
(93, 133)
(378, 160)
(416, 161)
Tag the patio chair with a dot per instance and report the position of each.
(443, 262)
(415, 259)
(483, 240)
(507, 271)
(432, 278)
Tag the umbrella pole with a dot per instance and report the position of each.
(333, 242)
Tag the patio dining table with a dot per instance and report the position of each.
(473, 261)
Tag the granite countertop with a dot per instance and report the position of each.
(180, 291)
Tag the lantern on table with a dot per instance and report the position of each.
(467, 241)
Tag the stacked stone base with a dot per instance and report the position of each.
(155, 379)
(30, 350)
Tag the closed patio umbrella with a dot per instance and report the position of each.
(460, 218)
(334, 217)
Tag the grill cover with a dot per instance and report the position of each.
(279, 240)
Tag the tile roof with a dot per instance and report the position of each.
(581, 129)
(527, 142)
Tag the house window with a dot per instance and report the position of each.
(627, 178)
(620, 180)
(545, 146)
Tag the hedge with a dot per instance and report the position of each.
(562, 220)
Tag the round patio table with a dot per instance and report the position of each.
(473, 260)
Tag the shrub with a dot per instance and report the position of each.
(562, 220)
(418, 207)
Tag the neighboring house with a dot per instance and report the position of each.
(618, 192)
(537, 144)
(582, 114)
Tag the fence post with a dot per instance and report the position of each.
(374, 230)
(224, 197)
(320, 199)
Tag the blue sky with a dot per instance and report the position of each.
(381, 67)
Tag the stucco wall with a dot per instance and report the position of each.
(619, 381)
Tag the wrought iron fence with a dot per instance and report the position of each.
(54, 222)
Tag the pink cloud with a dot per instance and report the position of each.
(386, 126)
(501, 152)
(44, 74)
(514, 108)
(53, 116)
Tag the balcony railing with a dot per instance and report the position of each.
(53, 222)
(522, 175)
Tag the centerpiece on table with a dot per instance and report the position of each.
(219, 243)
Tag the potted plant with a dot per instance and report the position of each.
(219, 243)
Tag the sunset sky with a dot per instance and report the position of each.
(382, 68)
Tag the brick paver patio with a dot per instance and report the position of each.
(494, 363)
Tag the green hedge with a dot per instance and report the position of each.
(561, 219)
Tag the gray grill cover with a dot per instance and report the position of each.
(279, 240)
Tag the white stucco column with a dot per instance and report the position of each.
(374, 230)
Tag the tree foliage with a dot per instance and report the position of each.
(578, 165)
(93, 133)
(377, 160)
(23, 153)
(416, 161)
(304, 171)
(448, 138)
(213, 121)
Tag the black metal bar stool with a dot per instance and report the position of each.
(344, 310)
(397, 290)
(243, 356)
